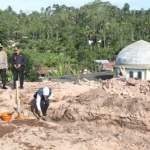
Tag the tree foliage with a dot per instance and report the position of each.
(60, 34)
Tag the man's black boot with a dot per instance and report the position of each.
(21, 87)
(4, 87)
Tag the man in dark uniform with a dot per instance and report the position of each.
(18, 61)
(42, 97)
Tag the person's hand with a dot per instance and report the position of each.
(15, 66)
(19, 65)
(40, 114)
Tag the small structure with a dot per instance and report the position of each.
(80, 69)
(43, 71)
(83, 70)
(108, 66)
(135, 61)
(101, 61)
(105, 65)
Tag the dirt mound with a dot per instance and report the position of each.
(96, 105)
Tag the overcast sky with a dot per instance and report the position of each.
(35, 5)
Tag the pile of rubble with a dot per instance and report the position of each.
(133, 88)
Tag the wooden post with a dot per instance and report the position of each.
(17, 97)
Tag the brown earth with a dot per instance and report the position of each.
(105, 115)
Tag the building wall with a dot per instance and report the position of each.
(135, 73)
(148, 74)
(145, 73)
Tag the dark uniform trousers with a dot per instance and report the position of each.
(3, 76)
(44, 106)
(18, 73)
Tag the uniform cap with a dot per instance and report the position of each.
(46, 91)
(17, 50)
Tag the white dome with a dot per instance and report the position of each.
(137, 53)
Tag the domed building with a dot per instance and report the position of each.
(135, 59)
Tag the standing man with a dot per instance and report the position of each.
(42, 97)
(18, 61)
(3, 66)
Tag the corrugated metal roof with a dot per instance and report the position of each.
(101, 61)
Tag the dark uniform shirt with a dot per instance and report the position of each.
(18, 59)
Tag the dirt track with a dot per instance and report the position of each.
(89, 115)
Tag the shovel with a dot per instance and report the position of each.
(20, 115)
(17, 98)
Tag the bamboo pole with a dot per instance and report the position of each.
(17, 97)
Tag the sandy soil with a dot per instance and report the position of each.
(85, 116)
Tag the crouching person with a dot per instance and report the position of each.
(42, 97)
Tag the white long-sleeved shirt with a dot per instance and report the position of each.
(38, 101)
